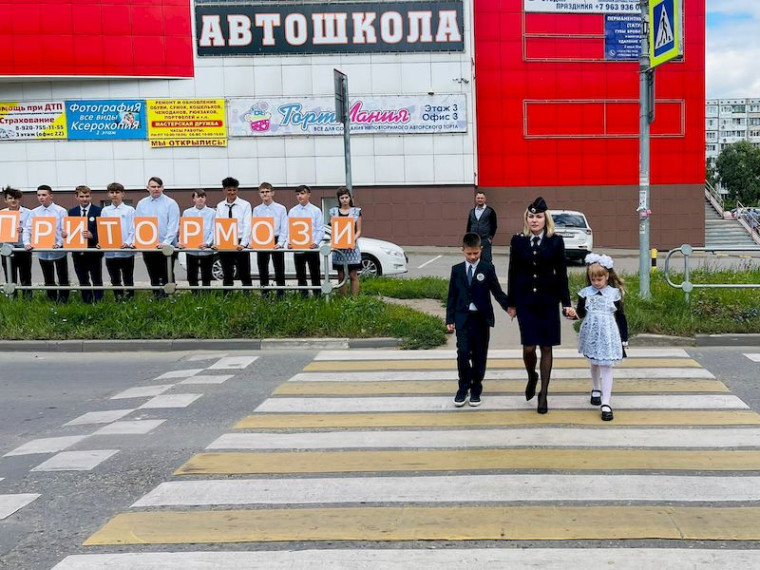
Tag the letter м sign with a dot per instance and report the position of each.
(665, 31)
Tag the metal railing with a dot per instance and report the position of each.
(715, 198)
(326, 286)
(687, 286)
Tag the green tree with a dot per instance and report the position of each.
(737, 170)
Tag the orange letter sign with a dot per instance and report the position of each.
(300, 233)
(226, 233)
(262, 233)
(74, 227)
(342, 233)
(146, 232)
(191, 232)
(109, 233)
(43, 232)
(9, 222)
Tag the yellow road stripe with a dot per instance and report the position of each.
(512, 363)
(499, 418)
(492, 386)
(432, 523)
(237, 463)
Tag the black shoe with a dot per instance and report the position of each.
(530, 387)
(460, 399)
(607, 413)
(474, 401)
(543, 407)
(596, 398)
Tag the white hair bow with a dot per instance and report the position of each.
(603, 260)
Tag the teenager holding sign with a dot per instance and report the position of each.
(279, 215)
(353, 256)
(117, 230)
(201, 231)
(19, 270)
(233, 207)
(305, 231)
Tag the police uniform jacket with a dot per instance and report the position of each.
(537, 277)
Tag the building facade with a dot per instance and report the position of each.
(729, 121)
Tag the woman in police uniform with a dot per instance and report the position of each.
(537, 285)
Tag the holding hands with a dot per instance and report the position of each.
(570, 313)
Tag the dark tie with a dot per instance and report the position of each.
(229, 211)
(535, 242)
(469, 275)
(84, 212)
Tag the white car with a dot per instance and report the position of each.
(575, 230)
(378, 258)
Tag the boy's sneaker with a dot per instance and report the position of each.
(460, 399)
(474, 401)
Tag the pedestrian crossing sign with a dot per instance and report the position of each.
(666, 31)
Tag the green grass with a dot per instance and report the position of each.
(416, 288)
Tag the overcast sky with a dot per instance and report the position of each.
(733, 49)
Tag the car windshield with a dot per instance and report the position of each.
(569, 220)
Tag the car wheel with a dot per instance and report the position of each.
(216, 270)
(370, 266)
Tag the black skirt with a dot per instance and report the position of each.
(539, 324)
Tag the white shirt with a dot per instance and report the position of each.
(241, 211)
(539, 236)
(127, 216)
(167, 212)
(23, 214)
(280, 215)
(52, 211)
(317, 220)
(479, 211)
(208, 215)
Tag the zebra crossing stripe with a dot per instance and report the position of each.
(468, 418)
(450, 364)
(9, 504)
(438, 403)
(403, 559)
(262, 463)
(337, 355)
(501, 438)
(405, 523)
(493, 386)
(754, 357)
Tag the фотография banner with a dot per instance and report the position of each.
(106, 120)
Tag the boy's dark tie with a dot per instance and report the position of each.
(469, 275)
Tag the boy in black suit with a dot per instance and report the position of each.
(469, 311)
(88, 265)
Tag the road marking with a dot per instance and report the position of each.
(9, 504)
(452, 488)
(753, 357)
(435, 523)
(179, 373)
(105, 417)
(429, 261)
(196, 357)
(133, 427)
(512, 363)
(491, 387)
(76, 460)
(555, 459)
(494, 419)
(206, 379)
(403, 559)
(46, 445)
(333, 355)
(143, 391)
(171, 401)
(233, 363)
(516, 437)
(514, 374)
(438, 403)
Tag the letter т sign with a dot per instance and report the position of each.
(666, 31)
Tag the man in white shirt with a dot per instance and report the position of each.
(201, 260)
(121, 264)
(51, 262)
(233, 206)
(160, 206)
(271, 209)
(305, 209)
(18, 269)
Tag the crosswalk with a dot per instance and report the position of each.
(365, 448)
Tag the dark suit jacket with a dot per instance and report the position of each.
(484, 284)
(92, 221)
(486, 226)
(539, 279)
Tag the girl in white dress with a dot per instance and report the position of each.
(604, 332)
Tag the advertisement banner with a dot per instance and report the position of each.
(186, 122)
(45, 120)
(106, 120)
(279, 28)
(369, 115)
(622, 37)
(583, 6)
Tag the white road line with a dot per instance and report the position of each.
(9, 504)
(197, 357)
(142, 391)
(76, 460)
(179, 373)
(233, 363)
(171, 401)
(453, 488)
(499, 438)
(47, 445)
(207, 379)
(429, 261)
(438, 403)
(754, 357)
(496, 374)
(441, 559)
(342, 355)
(133, 427)
(104, 417)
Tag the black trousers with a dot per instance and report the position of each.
(51, 267)
(20, 271)
(486, 254)
(159, 273)
(278, 260)
(312, 259)
(472, 352)
(89, 269)
(121, 270)
(232, 259)
(202, 263)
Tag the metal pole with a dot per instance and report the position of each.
(347, 135)
(644, 119)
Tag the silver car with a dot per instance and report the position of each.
(575, 230)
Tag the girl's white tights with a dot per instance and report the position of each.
(601, 376)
